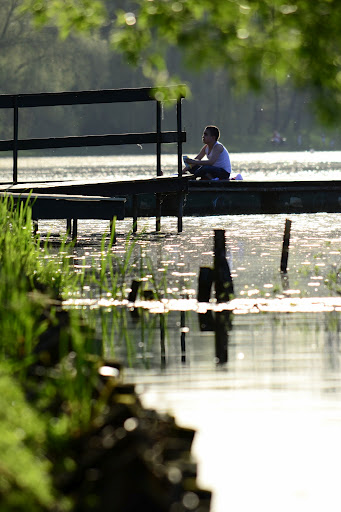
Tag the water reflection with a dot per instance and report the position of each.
(268, 408)
(220, 324)
(299, 351)
(259, 377)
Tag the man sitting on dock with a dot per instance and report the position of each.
(217, 165)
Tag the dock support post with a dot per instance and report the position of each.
(68, 226)
(180, 210)
(113, 230)
(158, 211)
(74, 229)
(135, 206)
(285, 248)
(15, 140)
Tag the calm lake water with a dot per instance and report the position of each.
(261, 382)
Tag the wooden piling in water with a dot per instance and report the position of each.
(206, 275)
(285, 248)
(74, 229)
(222, 275)
(134, 289)
(68, 226)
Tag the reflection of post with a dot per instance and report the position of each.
(223, 324)
(162, 341)
(135, 285)
(205, 284)
(285, 281)
(183, 336)
(222, 275)
(206, 321)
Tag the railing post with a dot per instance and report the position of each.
(179, 129)
(158, 163)
(158, 137)
(15, 139)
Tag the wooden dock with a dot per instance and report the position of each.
(143, 198)
(156, 196)
(131, 190)
(254, 197)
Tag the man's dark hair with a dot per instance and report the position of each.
(214, 131)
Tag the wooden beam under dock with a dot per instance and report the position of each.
(70, 207)
(143, 198)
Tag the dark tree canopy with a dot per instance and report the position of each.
(254, 40)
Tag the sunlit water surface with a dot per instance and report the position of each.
(263, 390)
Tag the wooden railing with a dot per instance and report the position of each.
(19, 101)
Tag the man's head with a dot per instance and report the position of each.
(211, 131)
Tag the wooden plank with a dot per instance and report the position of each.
(92, 140)
(57, 206)
(80, 97)
(105, 187)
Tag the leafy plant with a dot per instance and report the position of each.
(255, 41)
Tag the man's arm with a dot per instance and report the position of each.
(200, 155)
(210, 160)
(194, 161)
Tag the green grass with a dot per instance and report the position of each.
(51, 393)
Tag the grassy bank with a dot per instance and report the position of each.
(73, 435)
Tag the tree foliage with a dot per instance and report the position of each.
(34, 60)
(253, 39)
